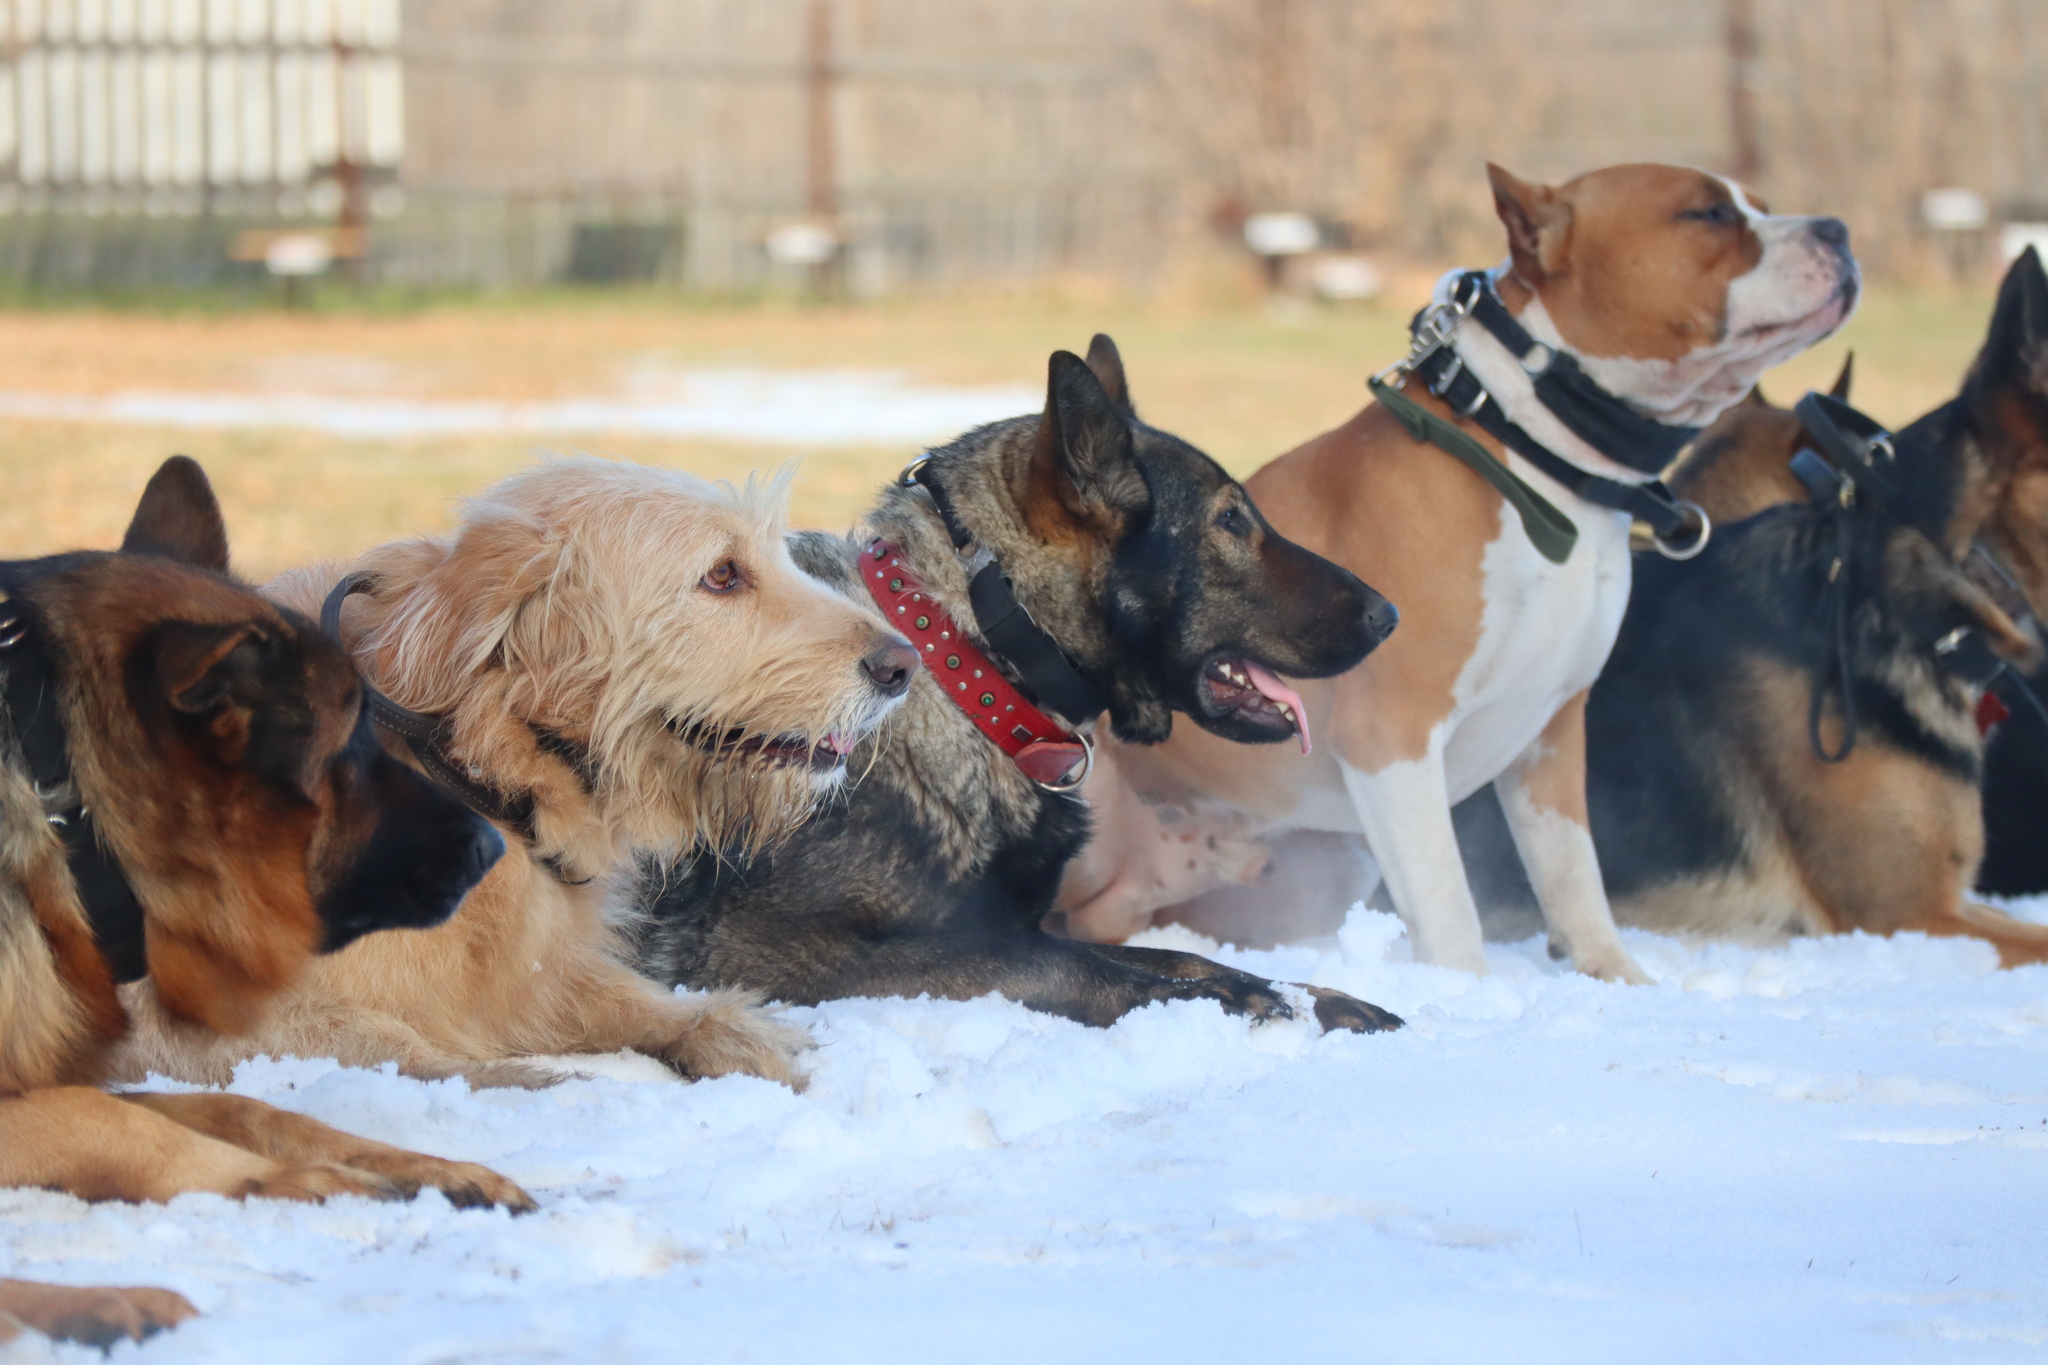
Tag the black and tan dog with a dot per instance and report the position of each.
(1730, 794)
(1145, 582)
(189, 792)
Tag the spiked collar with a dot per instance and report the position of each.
(1036, 722)
(37, 726)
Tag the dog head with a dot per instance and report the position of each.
(1151, 566)
(635, 648)
(1676, 289)
(2006, 399)
(222, 748)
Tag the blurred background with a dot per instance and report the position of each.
(361, 256)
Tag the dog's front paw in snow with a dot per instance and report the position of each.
(727, 1032)
(96, 1317)
(1336, 1010)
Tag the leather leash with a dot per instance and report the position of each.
(35, 719)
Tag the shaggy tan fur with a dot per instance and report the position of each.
(571, 605)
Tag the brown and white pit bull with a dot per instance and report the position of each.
(1674, 290)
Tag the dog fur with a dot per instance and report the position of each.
(1675, 289)
(570, 635)
(221, 746)
(1712, 813)
(1150, 567)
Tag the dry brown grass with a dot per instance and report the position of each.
(1240, 384)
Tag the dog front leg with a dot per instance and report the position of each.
(1543, 795)
(95, 1317)
(702, 1034)
(93, 1145)
(1405, 810)
(284, 1136)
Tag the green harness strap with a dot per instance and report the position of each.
(1550, 530)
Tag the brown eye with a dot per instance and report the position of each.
(723, 577)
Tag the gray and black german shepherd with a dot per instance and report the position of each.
(1713, 806)
(1163, 587)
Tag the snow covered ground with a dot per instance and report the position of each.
(789, 406)
(1831, 1151)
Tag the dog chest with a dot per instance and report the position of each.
(1545, 632)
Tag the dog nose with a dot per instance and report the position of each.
(1381, 618)
(1831, 231)
(890, 665)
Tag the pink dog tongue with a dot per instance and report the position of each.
(1272, 689)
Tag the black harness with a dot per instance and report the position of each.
(1852, 463)
(36, 722)
(1607, 423)
(1013, 637)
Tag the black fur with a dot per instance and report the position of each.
(1147, 563)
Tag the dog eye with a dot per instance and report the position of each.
(1720, 215)
(724, 576)
(1233, 520)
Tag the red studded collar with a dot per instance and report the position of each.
(1043, 749)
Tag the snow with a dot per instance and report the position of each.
(788, 406)
(1827, 1151)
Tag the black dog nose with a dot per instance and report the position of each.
(890, 665)
(1832, 231)
(1381, 617)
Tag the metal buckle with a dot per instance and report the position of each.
(1881, 444)
(1434, 330)
(1699, 542)
(1087, 766)
(1951, 642)
(908, 478)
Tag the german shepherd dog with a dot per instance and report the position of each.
(1786, 739)
(190, 793)
(613, 662)
(1148, 584)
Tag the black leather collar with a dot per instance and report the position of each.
(1603, 421)
(1011, 636)
(36, 721)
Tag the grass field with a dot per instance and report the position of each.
(1240, 383)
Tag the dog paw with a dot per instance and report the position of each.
(728, 1032)
(1616, 966)
(1250, 996)
(93, 1317)
(1336, 1010)
(467, 1185)
(315, 1182)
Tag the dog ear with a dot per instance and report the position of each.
(1840, 388)
(2006, 392)
(1082, 462)
(215, 674)
(1929, 584)
(179, 518)
(1539, 224)
(1108, 366)
(454, 605)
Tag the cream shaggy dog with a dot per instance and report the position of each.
(628, 659)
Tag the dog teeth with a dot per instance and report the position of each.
(1288, 712)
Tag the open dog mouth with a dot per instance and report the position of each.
(788, 750)
(1239, 688)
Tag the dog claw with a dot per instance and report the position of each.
(1336, 1010)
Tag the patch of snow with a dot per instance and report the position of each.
(1830, 1151)
(808, 407)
